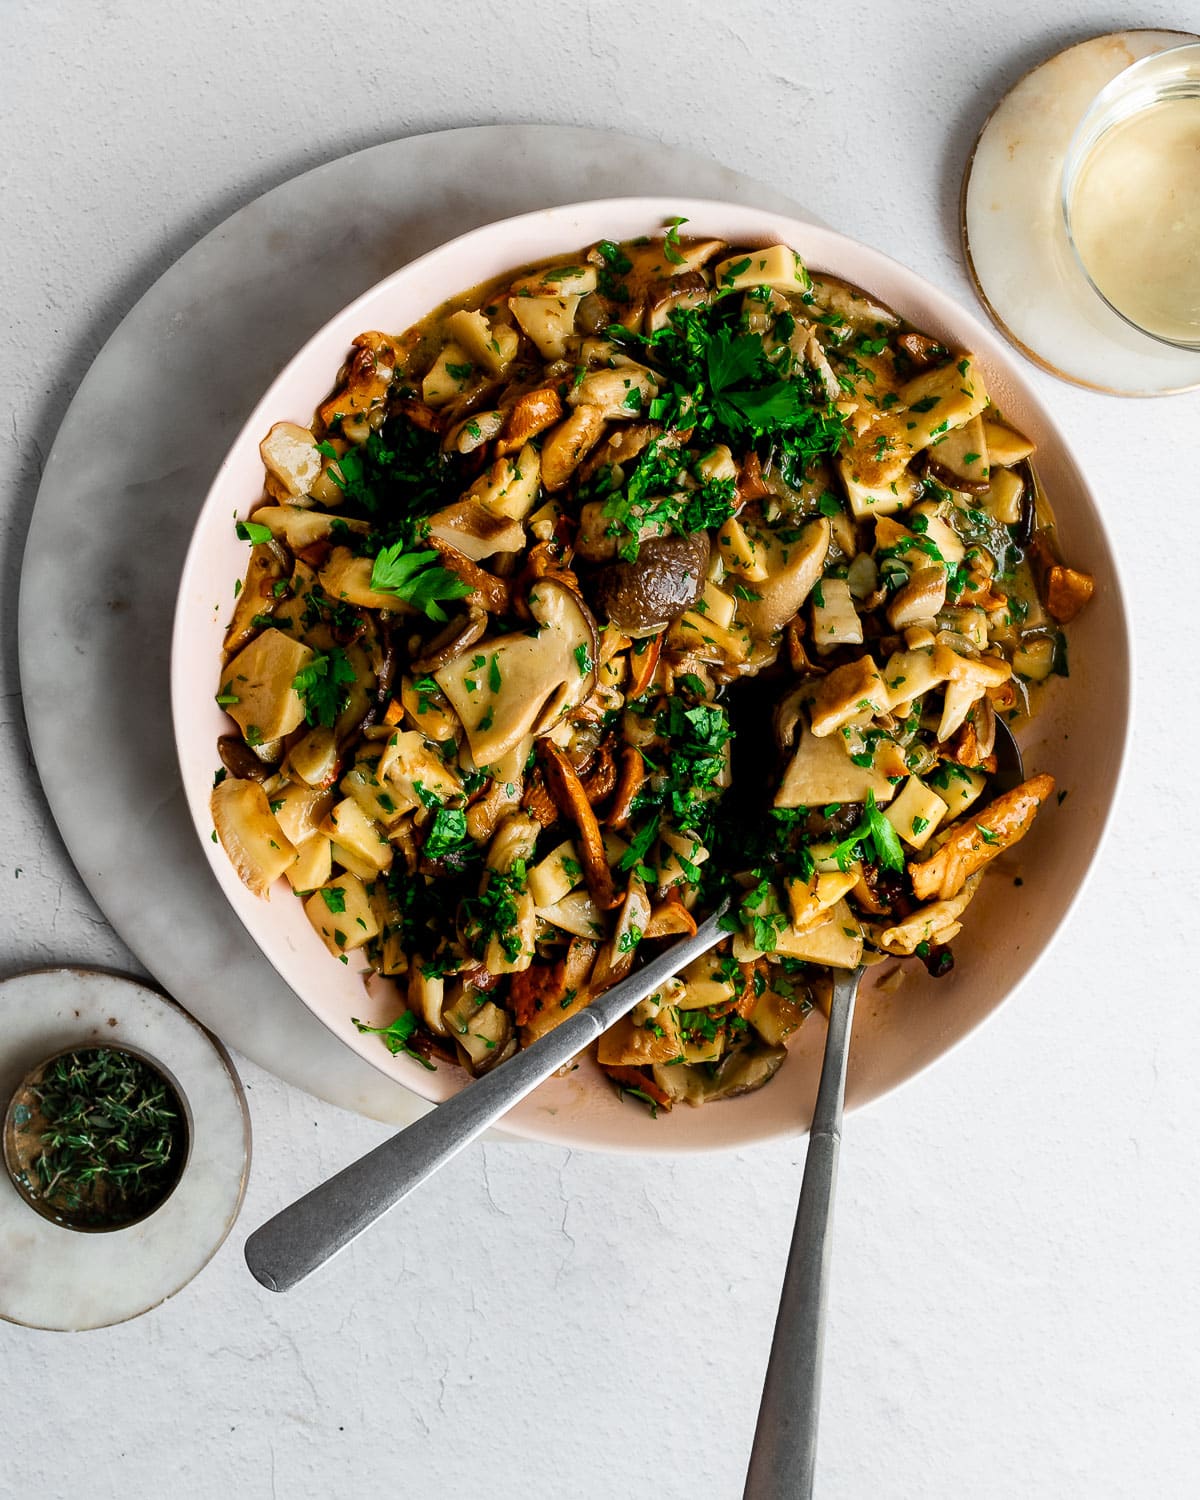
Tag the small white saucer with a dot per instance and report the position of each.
(1015, 241)
(61, 1279)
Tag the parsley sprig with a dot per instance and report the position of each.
(396, 1036)
(418, 578)
(875, 831)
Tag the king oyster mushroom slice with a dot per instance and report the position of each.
(477, 532)
(521, 684)
(821, 772)
(786, 573)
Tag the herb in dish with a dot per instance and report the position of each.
(100, 1138)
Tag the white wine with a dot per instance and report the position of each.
(1135, 217)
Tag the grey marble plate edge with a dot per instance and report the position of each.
(125, 479)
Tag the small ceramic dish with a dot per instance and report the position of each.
(1079, 735)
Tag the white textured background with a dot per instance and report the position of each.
(1016, 1303)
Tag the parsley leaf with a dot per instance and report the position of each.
(417, 578)
(730, 360)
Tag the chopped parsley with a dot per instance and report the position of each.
(322, 685)
(253, 531)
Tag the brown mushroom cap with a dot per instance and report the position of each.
(666, 578)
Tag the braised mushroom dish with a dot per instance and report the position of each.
(663, 572)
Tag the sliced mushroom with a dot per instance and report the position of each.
(355, 922)
(649, 1034)
(620, 394)
(961, 460)
(971, 845)
(547, 321)
(630, 781)
(673, 294)
(792, 569)
(473, 432)
(928, 924)
(821, 772)
(743, 1071)
(852, 694)
(919, 600)
(665, 579)
(778, 266)
(1006, 446)
(523, 683)
(300, 528)
(568, 444)
(510, 486)
(532, 413)
(922, 350)
(940, 400)
(856, 307)
(369, 373)
(248, 831)
(293, 464)
(553, 281)
(572, 802)
(239, 760)
(1067, 591)
(475, 530)
(491, 346)
(670, 918)
(622, 446)
(546, 994)
(616, 957)
(488, 1038)
(348, 578)
(260, 679)
(878, 456)
(460, 634)
(257, 596)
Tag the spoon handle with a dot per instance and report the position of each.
(302, 1237)
(785, 1441)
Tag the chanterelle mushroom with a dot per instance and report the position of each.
(523, 683)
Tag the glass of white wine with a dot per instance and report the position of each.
(1131, 195)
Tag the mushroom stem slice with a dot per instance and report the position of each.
(571, 799)
(630, 780)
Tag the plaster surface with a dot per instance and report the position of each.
(1015, 1307)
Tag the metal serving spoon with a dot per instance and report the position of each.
(304, 1236)
(784, 1455)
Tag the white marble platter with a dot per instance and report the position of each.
(124, 482)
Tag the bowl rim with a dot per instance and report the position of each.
(656, 209)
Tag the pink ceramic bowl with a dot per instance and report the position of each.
(1079, 736)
